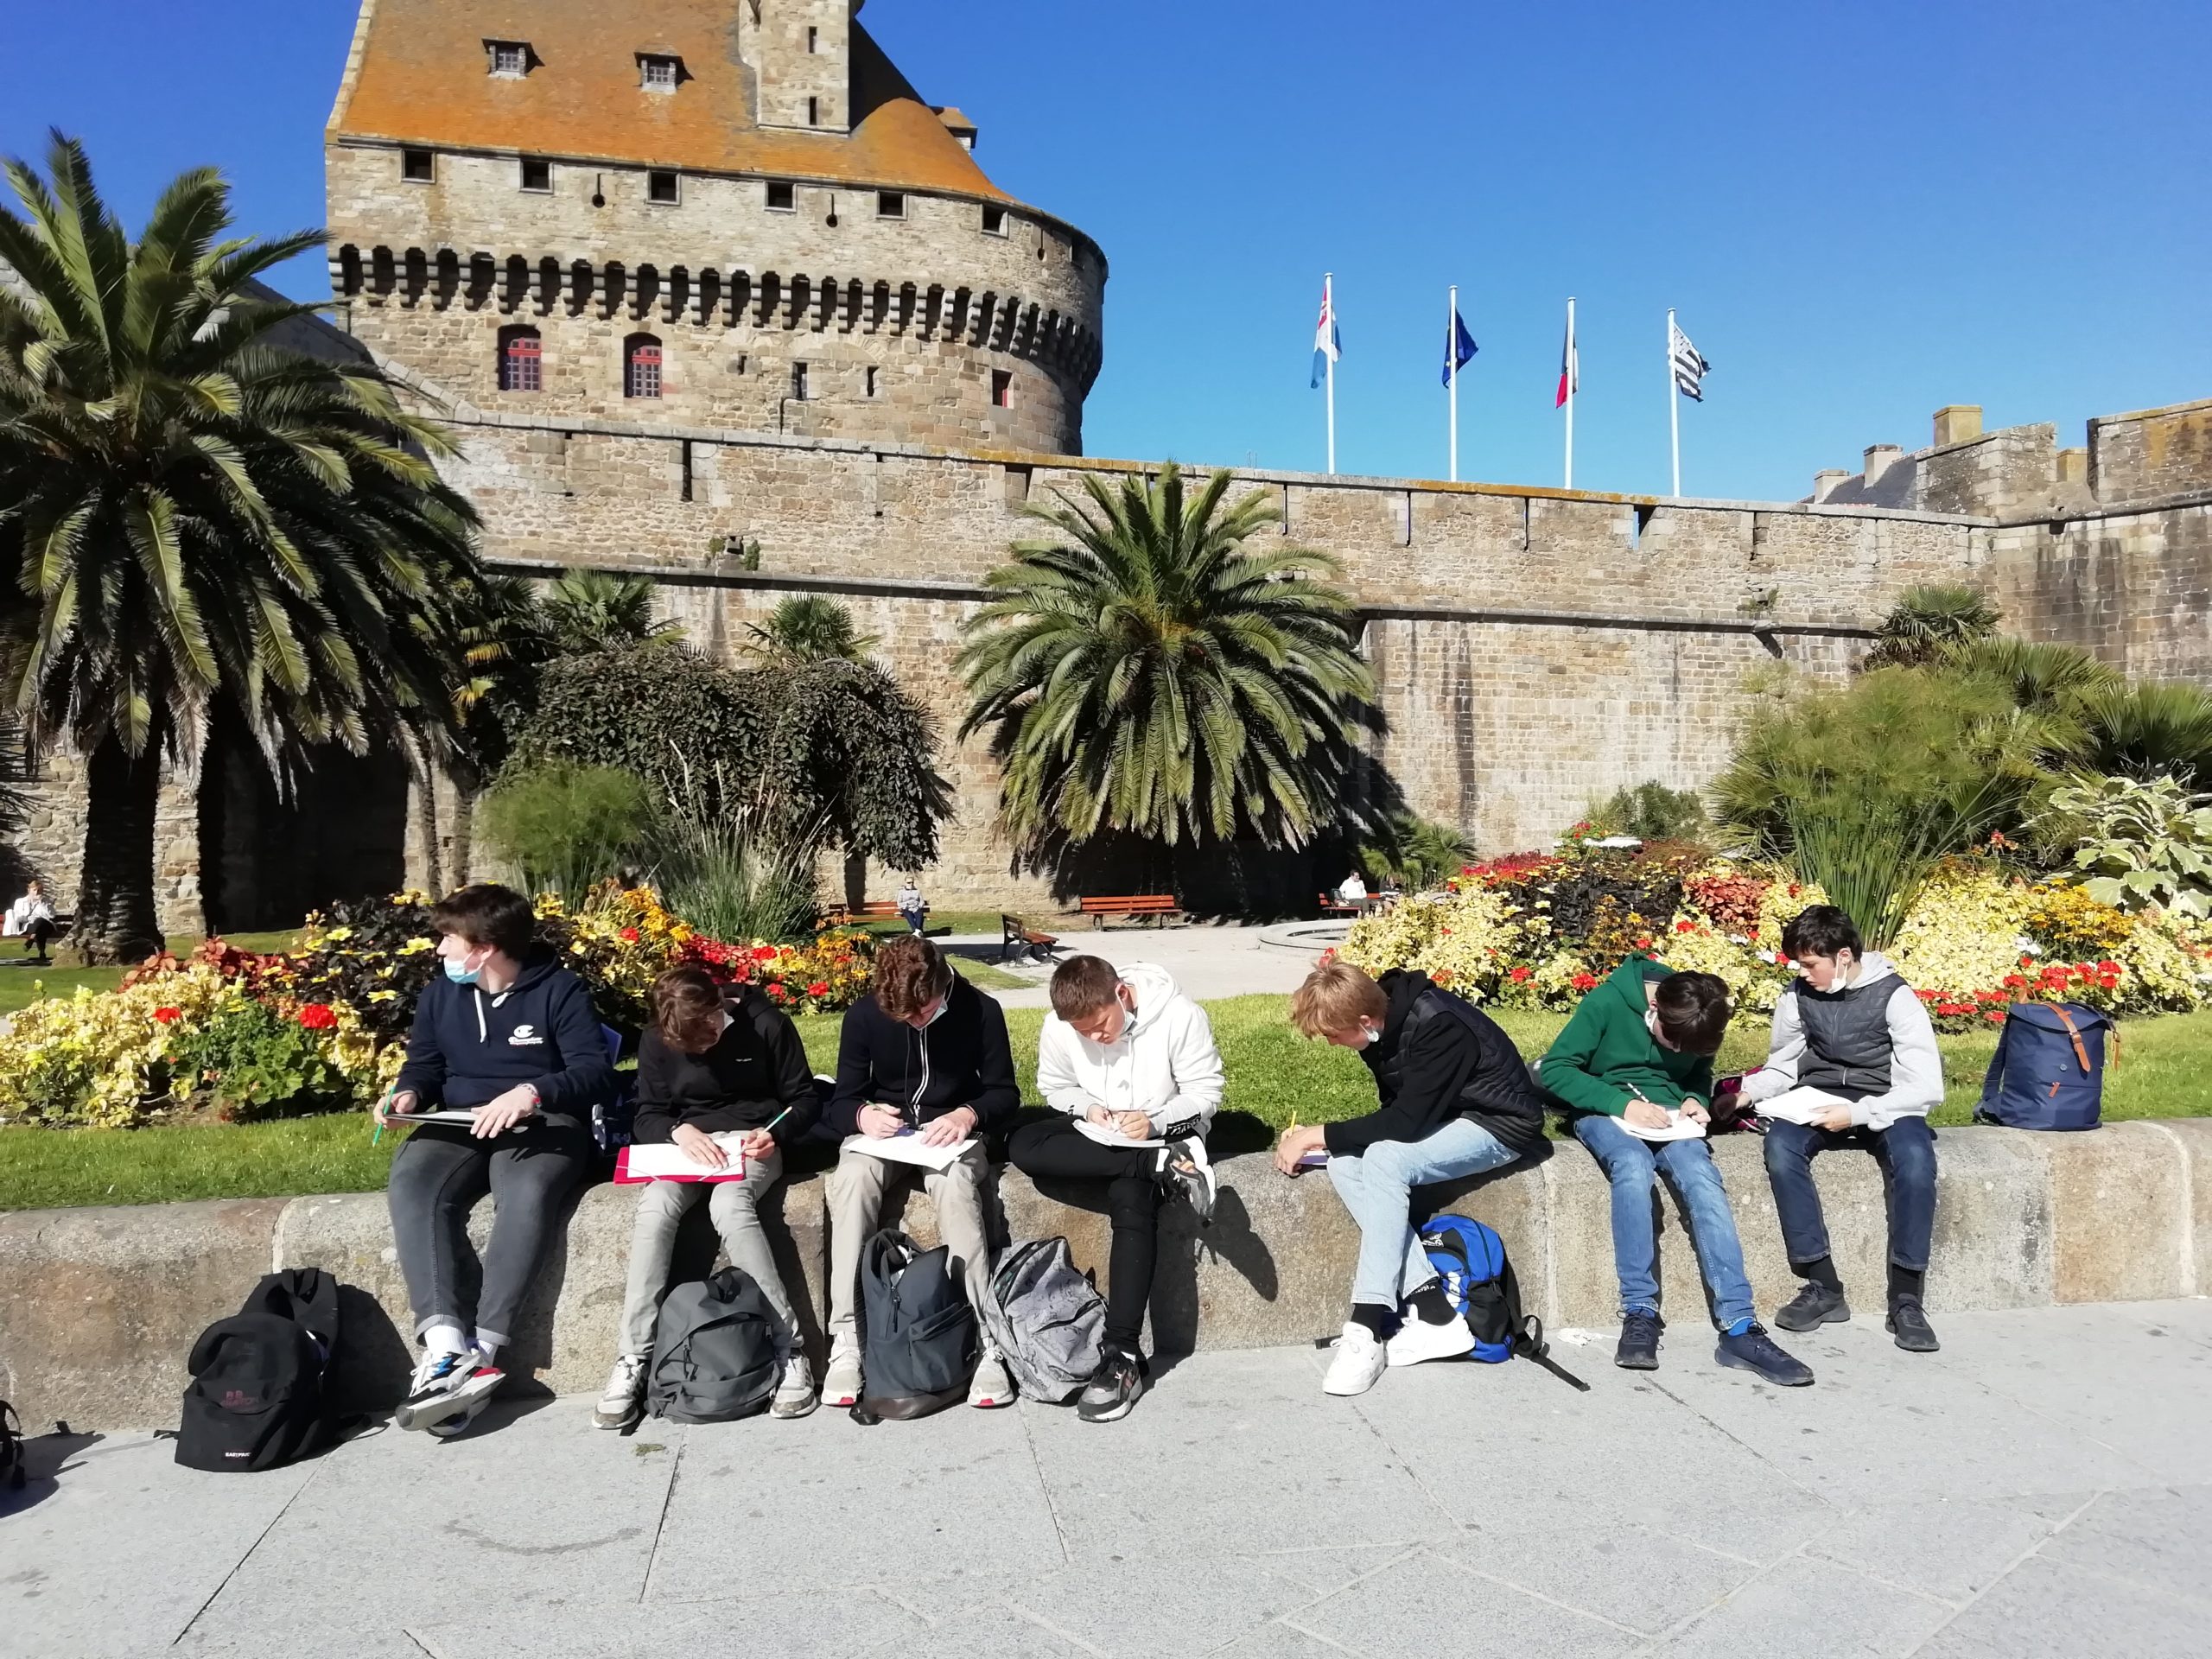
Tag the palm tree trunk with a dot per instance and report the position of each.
(116, 913)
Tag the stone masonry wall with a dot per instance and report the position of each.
(2151, 453)
(2135, 588)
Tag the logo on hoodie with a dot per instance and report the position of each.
(525, 1036)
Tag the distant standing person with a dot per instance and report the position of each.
(30, 919)
(911, 904)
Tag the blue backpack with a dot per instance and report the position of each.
(2048, 1069)
(1479, 1284)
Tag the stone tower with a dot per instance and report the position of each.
(725, 213)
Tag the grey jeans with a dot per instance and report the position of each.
(735, 1208)
(856, 1190)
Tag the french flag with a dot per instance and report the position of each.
(1570, 364)
(1328, 344)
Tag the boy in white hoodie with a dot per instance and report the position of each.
(1853, 1063)
(1128, 1065)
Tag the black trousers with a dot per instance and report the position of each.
(1055, 1150)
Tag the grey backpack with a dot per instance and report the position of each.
(714, 1358)
(1046, 1318)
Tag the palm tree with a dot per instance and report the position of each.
(1929, 620)
(809, 628)
(202, 526)
(597, 610)
(1143, 670)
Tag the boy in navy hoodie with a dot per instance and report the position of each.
(507, 1033)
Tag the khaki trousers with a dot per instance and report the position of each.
(855, 1193)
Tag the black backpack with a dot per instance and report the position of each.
(715, 1356)
(11, 1449)
(256, 1398)
(919, 1343)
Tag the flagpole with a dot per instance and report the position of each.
(1452, 358)
(1329, 304)
(1674, 403)
(1571, 377)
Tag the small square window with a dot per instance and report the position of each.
(993, 221)
(783, 198)
(798, 383)
(510, 58)
(891, 204)
(1001, 389)
(537, 174)
(660, 74)
(660, 186)
(417, 166)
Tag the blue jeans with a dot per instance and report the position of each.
(1629, 1165)
(1377, 1187)
(1906, 1152)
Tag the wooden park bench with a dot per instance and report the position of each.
(871, 910)
(1146, 906)
(1333, 906)
(1019, 941)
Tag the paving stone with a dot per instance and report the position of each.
(1807, 1610)
(1622, 1571)
(1411, 1605)
(1954, 1548)
(2161, 1540)
(2043, 1608)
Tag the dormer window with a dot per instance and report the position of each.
(659, 71)
(509, 59)
(993, 221)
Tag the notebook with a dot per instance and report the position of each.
(908, 1147)
(1680, 1126)
(1802, 1105)
(667, 1161)
(1108, 1137)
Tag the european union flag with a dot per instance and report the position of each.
(1460, 350)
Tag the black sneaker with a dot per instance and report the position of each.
(1813, 1306)
(1908, 1325)
(1639, 1347)
(1184, 1169)
(1755, 1351)
(1114, 1388)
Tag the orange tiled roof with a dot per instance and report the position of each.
(423, 79)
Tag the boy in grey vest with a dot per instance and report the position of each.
(1853, 1063)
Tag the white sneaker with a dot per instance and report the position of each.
(1360, 1359)
(454, 1428)
(623, 1400)
(795, 1396)
(991, 1387)
(841, 1384)
(1418, 1340)
(446, 1385)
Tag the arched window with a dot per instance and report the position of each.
(519, 360)
(641, 367)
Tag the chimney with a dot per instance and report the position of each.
(1825, 479)
(1880, 457)
(2074, 467)
(1957, 423)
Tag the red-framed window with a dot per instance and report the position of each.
(641, 367)
(521, 357)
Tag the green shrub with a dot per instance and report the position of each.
(567, 828)
(1419, 851)
(2142, 844)
(1927, 622)
(731, 881)
(252, 1061)
(1649, 811)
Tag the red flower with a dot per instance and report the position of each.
(1686, 927)
(775, 990)
(1994, 1018)
(629, 936)
(2014, 982)
(818, 989)
(1518, 975)
(2108, 968)
(1643, 944)
(764, 953)
(317, 1016)
(165, 1015)
(1584, 981)
(1442, 976)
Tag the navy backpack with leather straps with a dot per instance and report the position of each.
(2048, 1069)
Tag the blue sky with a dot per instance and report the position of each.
(1861, 211)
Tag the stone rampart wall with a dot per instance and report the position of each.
(98, 1307)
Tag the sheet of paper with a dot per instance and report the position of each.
(908, 1147)
(1680, 1126)
(666, 1161)
(1801, 1105)
(440, 1114)
(1110, 1137)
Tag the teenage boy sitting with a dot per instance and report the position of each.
(1127, 1053)
(1455, 1100)
(925, 1051)
(1854, 1064)
(1639, 1049)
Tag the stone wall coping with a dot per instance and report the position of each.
(2145, 507)
(98, 1306)
(2159, 413)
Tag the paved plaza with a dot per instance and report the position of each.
(2043, 1487)
(1208, 962)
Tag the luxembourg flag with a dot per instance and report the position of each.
(1328, 344)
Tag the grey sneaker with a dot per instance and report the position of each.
(795, 1396)
(622, 1402)
(1908, 1323)
(1813, 1306)
(841, 1384)
(1114, 1388)
(1184, 1169)
(990, 1387)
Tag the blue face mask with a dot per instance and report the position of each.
(461, 975)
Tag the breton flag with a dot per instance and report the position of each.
(1459, 347)
(1570, 364)
(1328, 344)
(1690, 368)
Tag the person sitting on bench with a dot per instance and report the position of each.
(30, 919)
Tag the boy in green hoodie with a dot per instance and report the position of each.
(1636, 1059)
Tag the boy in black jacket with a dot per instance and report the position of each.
(1457, 1099)
(708, 1066)
(926, 1053)
(507, 1033)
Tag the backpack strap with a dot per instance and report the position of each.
(2074, 1033)
(1994, 1079)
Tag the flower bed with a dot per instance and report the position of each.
(241, 1036)
(1537, 930)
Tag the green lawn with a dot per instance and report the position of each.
(21, 985)
(2166, 1072)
